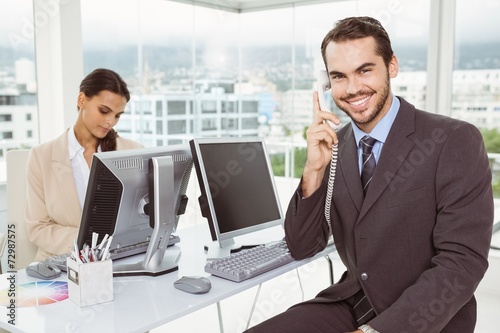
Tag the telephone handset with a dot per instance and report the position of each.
(323, 86)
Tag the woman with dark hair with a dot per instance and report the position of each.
(58, 170)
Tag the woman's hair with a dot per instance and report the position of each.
(105, 79)
(352, 28)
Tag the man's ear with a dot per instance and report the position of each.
(393, 67)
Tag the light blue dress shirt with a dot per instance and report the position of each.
(379, 132)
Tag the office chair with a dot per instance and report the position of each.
(3, 240)
(25, 251)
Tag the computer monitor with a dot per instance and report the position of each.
(238, 193)
(137, 196)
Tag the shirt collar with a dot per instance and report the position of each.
(382, 128)
(73, 144)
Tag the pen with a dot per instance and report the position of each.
(103, 241)
(75, 247)
(95, 235)
(106, 250)
(76, 257)
(83, 257)
(93, 255)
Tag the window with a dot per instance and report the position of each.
(177, 127)
(250, 107)
(159, 108)
(229, 124)
(476, 82)
(208, 125)
(159, 127)
(249, 123)
(176, 107)
(208, 107)
(229, 107)
(6, 135)
(18, 93)
(476, 76)
(8, 100)
(208, 63)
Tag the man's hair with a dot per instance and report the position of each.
(352, 28)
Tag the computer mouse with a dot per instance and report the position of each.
(43, 270)
(193, 284)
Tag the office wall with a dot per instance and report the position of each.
(3, 217)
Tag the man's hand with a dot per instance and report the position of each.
(320, 138)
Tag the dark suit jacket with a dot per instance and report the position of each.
(418, 243)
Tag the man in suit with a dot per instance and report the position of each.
(415, 241)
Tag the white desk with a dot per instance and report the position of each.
(141, 303)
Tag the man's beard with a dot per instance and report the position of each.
(383, 96)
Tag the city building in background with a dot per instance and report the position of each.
(18, 107)
(220, 73)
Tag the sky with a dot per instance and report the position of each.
(117, 21)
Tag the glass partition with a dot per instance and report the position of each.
(476, 76)
(18, 91)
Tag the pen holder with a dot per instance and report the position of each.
(90, 283)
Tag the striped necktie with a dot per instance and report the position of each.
(363, 311)
(368, 167)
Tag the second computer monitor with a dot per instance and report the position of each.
(137, 196)
(238, 193)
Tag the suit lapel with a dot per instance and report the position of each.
(394, 153)
(61, 167)
(348, 159)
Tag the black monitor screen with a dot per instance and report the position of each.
(242, 196)
(239, 184)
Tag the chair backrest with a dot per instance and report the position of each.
(25, 250)
(3, 241)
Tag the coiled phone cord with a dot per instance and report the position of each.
(331, 181)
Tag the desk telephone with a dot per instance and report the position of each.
(323, 87)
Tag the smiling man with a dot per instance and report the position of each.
(411, 216)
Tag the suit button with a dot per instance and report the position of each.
(364, 276)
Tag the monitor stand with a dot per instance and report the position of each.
(221, 249)
(160, 258)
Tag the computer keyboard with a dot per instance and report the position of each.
(60, 260)
(251, 262)
(133, 249)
